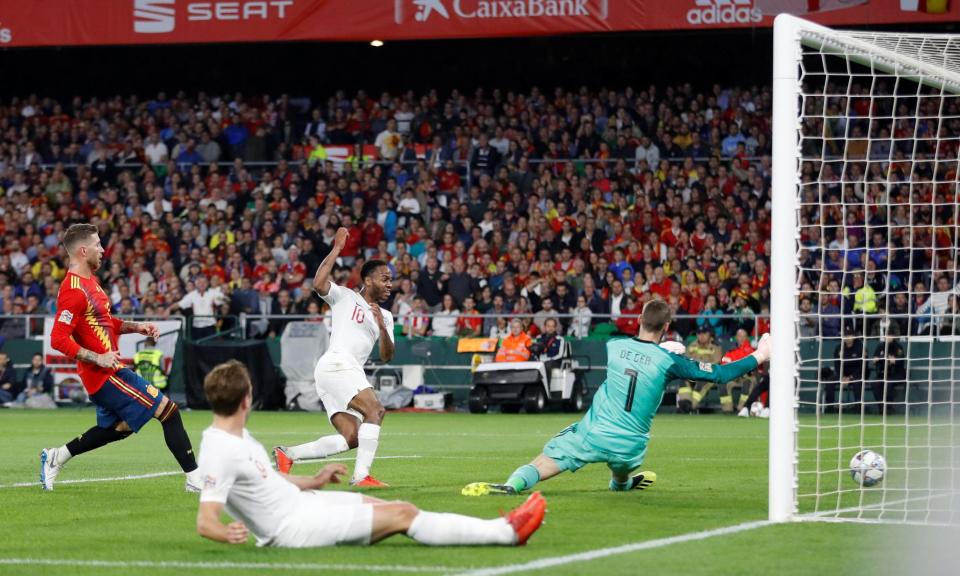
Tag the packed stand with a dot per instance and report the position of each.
(585, 203)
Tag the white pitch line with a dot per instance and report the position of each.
(171, 473)
(173, 564)
(36, 483)
(616, 550)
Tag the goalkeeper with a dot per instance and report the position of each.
(616, 429)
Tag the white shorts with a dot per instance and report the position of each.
(326, 519)
(338, 387)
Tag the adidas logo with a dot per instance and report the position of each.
(724, 12)
(153, 16)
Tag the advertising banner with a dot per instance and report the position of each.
(105, 22)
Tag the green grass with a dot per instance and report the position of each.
(712, 472)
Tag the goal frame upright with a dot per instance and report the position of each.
(928, 60)
(783, 279)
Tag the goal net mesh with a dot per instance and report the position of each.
(878, 320)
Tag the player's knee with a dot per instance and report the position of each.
(374, 414)
(352, 440)
(123, 429)
(406, 512)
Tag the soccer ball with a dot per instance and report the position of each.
(756, 408)
(867, 468)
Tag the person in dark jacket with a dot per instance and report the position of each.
(890, 370)
(848, 369)
(38, 380)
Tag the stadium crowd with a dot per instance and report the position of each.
(588, 203)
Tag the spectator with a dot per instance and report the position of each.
(8, 381)
(469, 323)
(445, 320)
(202, 303)
(515, 347)
(582, 315)
(746, 382)
(417, 323)
(889, 364)
(38, 380)
(388, 141)
(848, 370)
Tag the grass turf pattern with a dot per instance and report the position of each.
(712, 473)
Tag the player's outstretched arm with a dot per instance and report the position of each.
(321, 281)
(329, 474)
(722, 373)
(209, 525)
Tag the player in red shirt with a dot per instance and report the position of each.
(746, 382)
(85, 330)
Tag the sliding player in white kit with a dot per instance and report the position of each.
(348, 398)
(292, 512)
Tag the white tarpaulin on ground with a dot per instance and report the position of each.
(301, 345)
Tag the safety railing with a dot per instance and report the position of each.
(244, 326)
(570, 323)
(30, 326)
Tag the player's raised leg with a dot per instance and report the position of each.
(125, 403)
(444, 529)
(52, 460)
(368, 437)
(345, 439)
(523, 478)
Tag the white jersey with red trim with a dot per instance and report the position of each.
(355, 330)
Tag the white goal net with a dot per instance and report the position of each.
(866, 318)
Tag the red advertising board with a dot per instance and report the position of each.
(102, 22)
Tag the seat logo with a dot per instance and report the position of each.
(154, 16)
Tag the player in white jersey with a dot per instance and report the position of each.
(290, 511)
(353, 408)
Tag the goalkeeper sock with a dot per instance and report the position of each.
(619, 486)
(176, 437)
(436, 529)
(90, 440)
(524, 478)
(368, 437)
(320, 448)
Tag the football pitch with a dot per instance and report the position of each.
(122, 509)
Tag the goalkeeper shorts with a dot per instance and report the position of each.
(571, 451)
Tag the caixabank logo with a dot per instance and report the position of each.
(724, 12)
(160, 16)
(427, 10)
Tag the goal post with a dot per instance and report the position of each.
(783, 278)
(865, 287)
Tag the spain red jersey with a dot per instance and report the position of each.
(84, 321)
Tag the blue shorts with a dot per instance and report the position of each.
(571, 451)
(126, 397)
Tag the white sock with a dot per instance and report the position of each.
(63, 455)
(368, 436)
(436, 529)
(321, 448)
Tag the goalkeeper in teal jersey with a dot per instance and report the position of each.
(616, 429)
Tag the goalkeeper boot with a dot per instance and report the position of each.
(488, 489)
(283, 460)
(528, 517)
(643, 480)
(48, 467)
